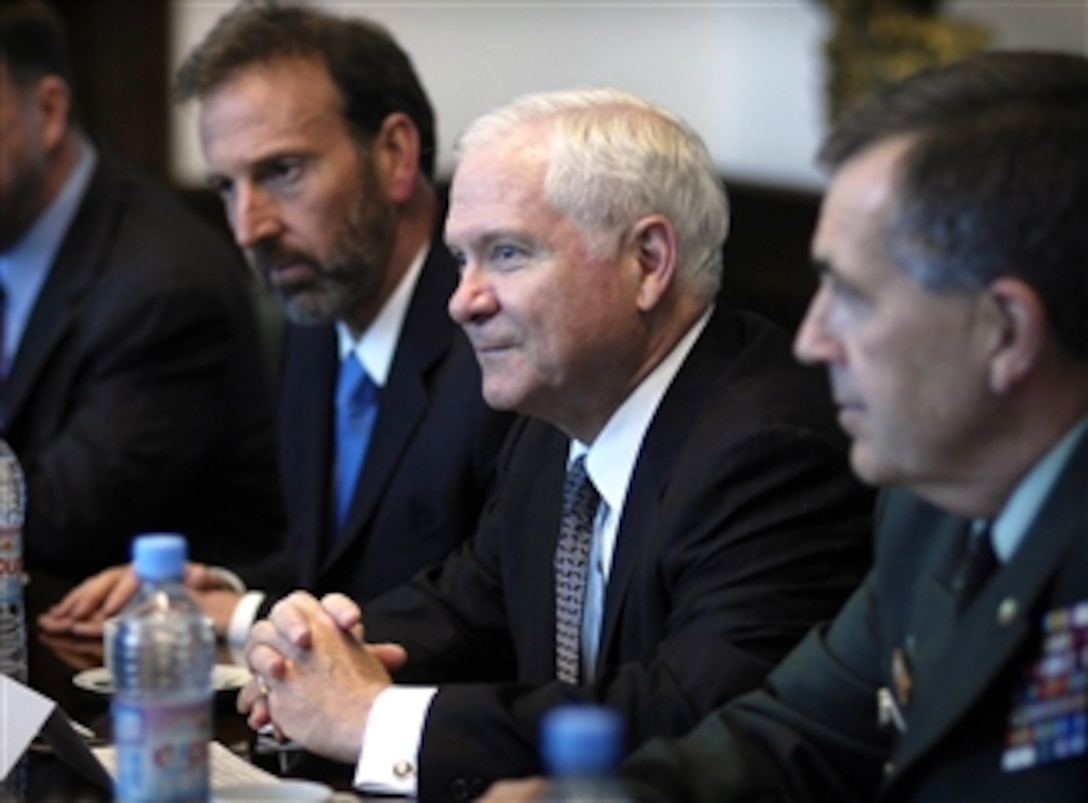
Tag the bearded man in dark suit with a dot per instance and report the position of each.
(320, 140)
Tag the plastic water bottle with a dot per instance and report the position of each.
(582, 748)
(12, 616)
(161, 654)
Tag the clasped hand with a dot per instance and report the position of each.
(315, 678)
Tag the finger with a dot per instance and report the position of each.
(88, 628)
(201, 577)
(255, 705)
(54, 625)
(85, 597)
(266, 661)
(343, 610)
(196, 574)
(123, 590)
(294, 617)
(391, 656)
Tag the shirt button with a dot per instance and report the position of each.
(403, 770)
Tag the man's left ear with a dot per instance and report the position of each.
(396, 155)
(53, 105)
(654, 239)
(1020, 330)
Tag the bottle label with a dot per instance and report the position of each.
(162, 750)
(11, 565)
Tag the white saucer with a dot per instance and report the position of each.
(225, 678)
(291, 789)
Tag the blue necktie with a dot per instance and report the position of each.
(356, 409)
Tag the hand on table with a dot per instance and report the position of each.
(84, 610)
(315, 679)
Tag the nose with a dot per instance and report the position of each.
(815, 342)
(253, 216)
(473, 298)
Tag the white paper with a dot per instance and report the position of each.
(22, 711)
(227, 769)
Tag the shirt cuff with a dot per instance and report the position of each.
(241, 620)
(389, 762)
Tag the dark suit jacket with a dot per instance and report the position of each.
(140, 397)
(812, 734)
(429, 466)
(742, 527)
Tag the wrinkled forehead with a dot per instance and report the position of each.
(860, 203)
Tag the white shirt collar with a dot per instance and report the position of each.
(1012, 524)
(378, 344)
(610, 460)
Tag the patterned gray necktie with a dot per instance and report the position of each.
(580, 500)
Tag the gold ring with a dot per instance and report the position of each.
(262, 686)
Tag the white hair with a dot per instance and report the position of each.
(615, 158)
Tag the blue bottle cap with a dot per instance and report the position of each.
(159, 556)
(582, 740)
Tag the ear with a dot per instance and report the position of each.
(52, 106)
(653, 239)
(396, 156)
(1018, 325)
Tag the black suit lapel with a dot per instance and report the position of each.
(540, 535)
(965, 662)
(309, 383)
(72, 273)
(665, 439)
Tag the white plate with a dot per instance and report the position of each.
(225, 678)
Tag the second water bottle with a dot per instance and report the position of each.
(161, 655)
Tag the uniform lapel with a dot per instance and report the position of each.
(965, 659)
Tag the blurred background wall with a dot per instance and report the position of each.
(751, 75)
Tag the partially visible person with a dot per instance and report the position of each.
(953, 250)
(711, 517)
(134, 386)
(321, 141)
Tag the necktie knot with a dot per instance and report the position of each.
(580, 502)
(580, 497)
(354, 388)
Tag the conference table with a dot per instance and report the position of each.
(53, 664)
